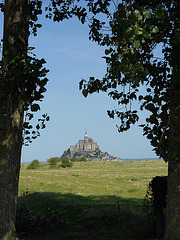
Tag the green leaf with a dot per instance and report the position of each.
(44, 115)
(81, 83)
(137, 43)
(140, 97)
(91, 79)
(27, 132)
(35, 107)
(146, 13)
(150, 107)
(138, 15)
(139, 31)
(136, 12)
(143, 40)
(108, 51)
(155, 29)
(160, 14)
(85, 92)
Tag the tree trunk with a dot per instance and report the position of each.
(15, 42)
(10, 154)
(159, 223)
(172, 226)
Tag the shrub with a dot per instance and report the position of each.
(26, 224)
(74, 159)
(22, 214)
(66, 162)
(156, 193)
(83, 159)
(53, 161)
(33, 165)
(22, 217)
(77, 154)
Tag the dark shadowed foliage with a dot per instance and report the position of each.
(93, 217)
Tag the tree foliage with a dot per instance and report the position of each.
(157, 197)
(130, 31)
(65, 162)
(53, 161)
(33, 165)
(24, 76)
(82, 159)
(136, 29)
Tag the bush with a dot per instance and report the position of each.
(26, 224)
(33, 165)
(74, 159)
(77, 154)
(22, 214)
(83, 159)
(66, 162)
(22, 217)
(53, 161)
(156, 194)
(157, 191)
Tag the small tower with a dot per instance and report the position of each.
(86, 136)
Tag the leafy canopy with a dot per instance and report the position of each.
(65, 162)
(33, 165)
(136, 28)
(53, 161)
(24, 78)
(130, 30)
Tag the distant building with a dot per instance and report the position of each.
(89, 149)
(85, 145)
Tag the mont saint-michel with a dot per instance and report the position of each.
(89, 149)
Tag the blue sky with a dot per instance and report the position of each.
(70, 57)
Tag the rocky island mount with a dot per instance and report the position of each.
(89, 149)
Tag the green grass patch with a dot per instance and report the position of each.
(132, 190)
(101, 199)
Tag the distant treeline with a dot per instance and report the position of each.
(56, 162)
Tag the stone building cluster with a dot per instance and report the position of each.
(85, 145)
(89, 149)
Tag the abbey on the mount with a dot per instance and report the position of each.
(89, 149)
(85, 145)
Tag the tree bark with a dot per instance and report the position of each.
(15, 43)
(172, 226)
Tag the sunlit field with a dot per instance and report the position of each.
(93, 197)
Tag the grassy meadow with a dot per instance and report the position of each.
(101, 200)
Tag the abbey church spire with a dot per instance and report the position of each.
(86, 133)
(86, 136)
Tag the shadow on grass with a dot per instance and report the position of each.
(91, 217)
